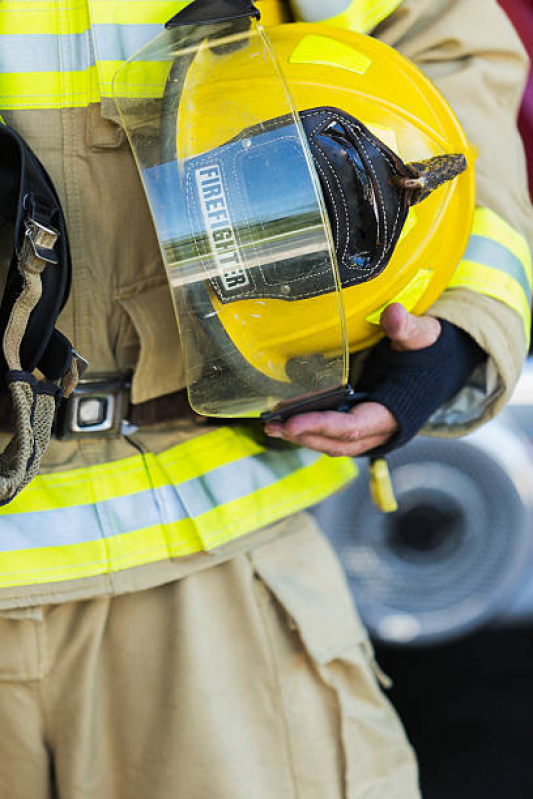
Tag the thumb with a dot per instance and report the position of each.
(406, 331)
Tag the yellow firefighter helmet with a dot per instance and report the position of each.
(323, 177)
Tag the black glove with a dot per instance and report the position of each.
(413, 384)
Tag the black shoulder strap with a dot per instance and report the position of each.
(29, 201)
(37, 287)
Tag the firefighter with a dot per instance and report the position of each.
(172, 621)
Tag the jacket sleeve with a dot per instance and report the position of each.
(356, 15)
(473, 55)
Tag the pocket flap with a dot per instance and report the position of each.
(160, 369)
(306, 578)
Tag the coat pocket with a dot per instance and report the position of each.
(362, 736)
(160, 368)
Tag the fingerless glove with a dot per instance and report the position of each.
(414, 383)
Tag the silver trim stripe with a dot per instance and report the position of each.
(73, 52)
(490, 253)
(164, 505)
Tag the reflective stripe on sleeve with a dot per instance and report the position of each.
(193, 497)
(73, 52)
(58, 17)
(64, 54)
(497, 262)
(360, 16)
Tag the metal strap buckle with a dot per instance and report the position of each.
(36, 232)
(96, 407)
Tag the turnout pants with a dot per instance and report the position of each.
(252, 679)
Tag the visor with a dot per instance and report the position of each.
(240, 218)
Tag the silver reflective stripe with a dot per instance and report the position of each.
(316, 10)
(163, 505)
(119, 42)
(73, 52)
(227, 484)
(40, 52)
(490, 253)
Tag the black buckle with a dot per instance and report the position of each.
(96, 408)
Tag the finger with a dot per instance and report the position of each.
(330, 424)
(365, 419)
(373, 418)
(407, 331)
(336, 448)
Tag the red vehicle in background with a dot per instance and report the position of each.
(520, 13)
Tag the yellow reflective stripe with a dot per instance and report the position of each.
(318, 480)
(497, 263)
(408, 296)
(153, 77)
(487, 223)
(52, 564)
(494, 283)
(362, 16)
(75, 16)
(49, 89)
(69, 18)
(122, 478)
(297, 490)
(134, 12)
(43, 16)
(75, 89)
(329, 52)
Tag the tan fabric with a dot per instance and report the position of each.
(118, 274)
(119, 279)
(251, 680)
(473, 55)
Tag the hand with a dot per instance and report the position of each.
(369, 424)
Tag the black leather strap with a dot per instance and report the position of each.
(367, 209)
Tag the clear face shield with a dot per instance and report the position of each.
(240, 218)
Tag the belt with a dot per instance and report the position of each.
(101, 406)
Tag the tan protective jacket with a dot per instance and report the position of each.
(126, 513)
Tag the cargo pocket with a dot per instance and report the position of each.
(345, 738)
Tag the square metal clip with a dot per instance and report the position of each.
(96, 407)
(38, 234)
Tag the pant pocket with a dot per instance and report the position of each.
(346, 738)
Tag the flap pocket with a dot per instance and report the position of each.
(306, 578)
(102, 133)
(302, 575)
(160, 369)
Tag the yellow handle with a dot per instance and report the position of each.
(381, 487)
